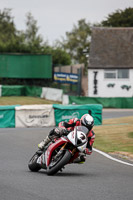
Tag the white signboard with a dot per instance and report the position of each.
(65, 100)
(52, 94)
(34, 116)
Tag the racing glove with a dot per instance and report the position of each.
(58, 132)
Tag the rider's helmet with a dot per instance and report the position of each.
(87, 121)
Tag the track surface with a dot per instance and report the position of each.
(99, 178)
(116, 113)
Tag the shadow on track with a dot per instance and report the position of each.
(67, 174)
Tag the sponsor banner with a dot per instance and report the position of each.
(52, 94)
(7, 116)
(65, 78)
(34, 116)
(0, 90)
(66, 112)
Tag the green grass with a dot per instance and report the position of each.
(115, 135)
(15, 100)
(130, 135)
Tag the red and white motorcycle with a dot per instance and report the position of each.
(60, 152)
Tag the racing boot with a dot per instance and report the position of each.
(80, 160)
(42, 144)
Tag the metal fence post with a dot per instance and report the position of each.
(79, 81)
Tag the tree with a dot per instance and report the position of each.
(33, 40)
(78, 41)
(120, 18)
(8, 33)
(59, 56)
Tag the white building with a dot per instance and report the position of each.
(110, 72)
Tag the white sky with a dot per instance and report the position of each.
(56, 17)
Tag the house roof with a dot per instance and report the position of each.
(111, 48)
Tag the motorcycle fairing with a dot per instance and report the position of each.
(52, 147)
(41, 161)
(74, 137)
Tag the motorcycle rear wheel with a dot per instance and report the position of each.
(59, 164)
(33, 166)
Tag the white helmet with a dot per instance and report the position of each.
(87, 121)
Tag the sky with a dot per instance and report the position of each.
(56, 17)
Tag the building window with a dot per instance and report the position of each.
(113, 74)
(123, 73)
(108, 73)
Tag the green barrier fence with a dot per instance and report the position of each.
(64, 113)
(33, 91)
(18, 90)
(118, 102)
(12, 90)
(7, 116)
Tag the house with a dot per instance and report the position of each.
(110, 70)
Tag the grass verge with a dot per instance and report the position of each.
(115, 136)
(14, 100)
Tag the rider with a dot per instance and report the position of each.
(65, 127)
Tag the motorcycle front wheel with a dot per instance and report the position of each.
(33, 166)
(58, 163)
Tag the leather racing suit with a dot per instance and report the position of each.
(76, 122)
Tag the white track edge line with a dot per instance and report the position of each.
(110, 157)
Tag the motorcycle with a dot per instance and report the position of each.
(60, 152)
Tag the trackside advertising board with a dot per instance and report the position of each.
(64, 113)
(45, 115)
(66, 78)
(34, 116)
(7, 116)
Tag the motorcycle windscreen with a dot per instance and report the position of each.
(78, 137)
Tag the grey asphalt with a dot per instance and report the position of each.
(99, 178)
(116, 113)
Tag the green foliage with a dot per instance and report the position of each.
(32, 39)
(60, 57)
(8, 33)
(7, 27)
(120, 18)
